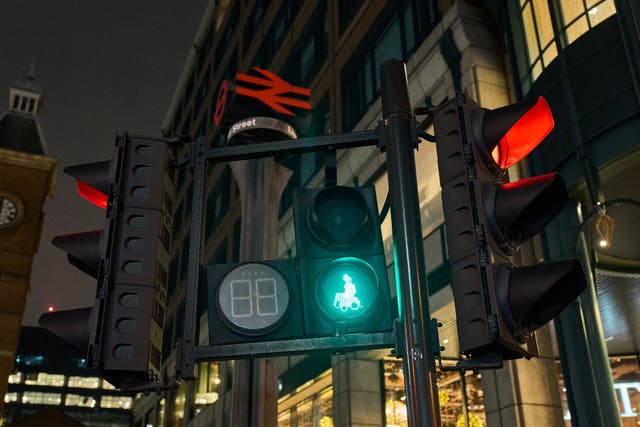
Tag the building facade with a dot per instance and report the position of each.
(48, 375)
(580, 54)
(27, 179)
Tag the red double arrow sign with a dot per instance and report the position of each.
(273, 92)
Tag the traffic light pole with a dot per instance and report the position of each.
(399, 138)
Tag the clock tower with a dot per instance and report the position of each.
(27, 179)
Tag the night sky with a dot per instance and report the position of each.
(104, 67)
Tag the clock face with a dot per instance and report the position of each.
(10, 209)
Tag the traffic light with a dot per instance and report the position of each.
(342, 265)
(337, 284)
(122, 332)
(499, 301)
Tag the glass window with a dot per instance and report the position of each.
(576, 18)
(43, 379)
(598, 12)
(253, 23)
(217, 202)
(78, 400)
(84, 382)
(304, 414)
(207, 385)
(179, 402)
(309, 52)
(455, 391)
(396, 34)
(107, 386)
(324, 408)
(347, 10)
(38, 398)
(284, 418)
(161, 411)
(626, 384)
(15, 378)
(10, 397)
(117, 402)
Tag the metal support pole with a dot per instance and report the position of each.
(411, 278)
(188, 342)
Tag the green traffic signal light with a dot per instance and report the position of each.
(347, 289)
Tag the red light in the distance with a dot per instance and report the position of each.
(91, 194)
(50, 309)
(524, 135)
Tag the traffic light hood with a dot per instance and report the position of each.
(93, 180)
(519, 210)
(536, 294)
(73, 326)
(511, 132)
(84, 250)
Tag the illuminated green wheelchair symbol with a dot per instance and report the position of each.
(347, 300)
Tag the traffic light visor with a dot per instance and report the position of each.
(93, 181)
(538, 293)
(84, 250)
(529, 130)
(73, 326)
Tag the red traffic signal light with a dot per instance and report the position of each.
(510, 133)
(499, 301)
(93, 181)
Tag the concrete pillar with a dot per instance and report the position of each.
(357, 390)
(524, 392)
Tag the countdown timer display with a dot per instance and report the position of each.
(253, 298)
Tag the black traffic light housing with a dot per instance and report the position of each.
(499, 301)
(254, 302)
(342, 264)
(335, 287)
(122, 332)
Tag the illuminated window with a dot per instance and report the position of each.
(119, 402)
(161, 406)
(284, 419)
(579, 16)
(457, 396)
(37, 398)
(207, 388)
(43, 379)
(576, 18)
(15, 378)
(84, 382)
(625, 372)
(10, 397)
(538, 30)
(78, 400)
(310, 404)
(316, 411)
(178, 412)
(304, 413)
(107, 386)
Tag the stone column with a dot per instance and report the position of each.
(524, 392)
(357, 390)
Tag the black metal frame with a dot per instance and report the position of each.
(397, 135)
